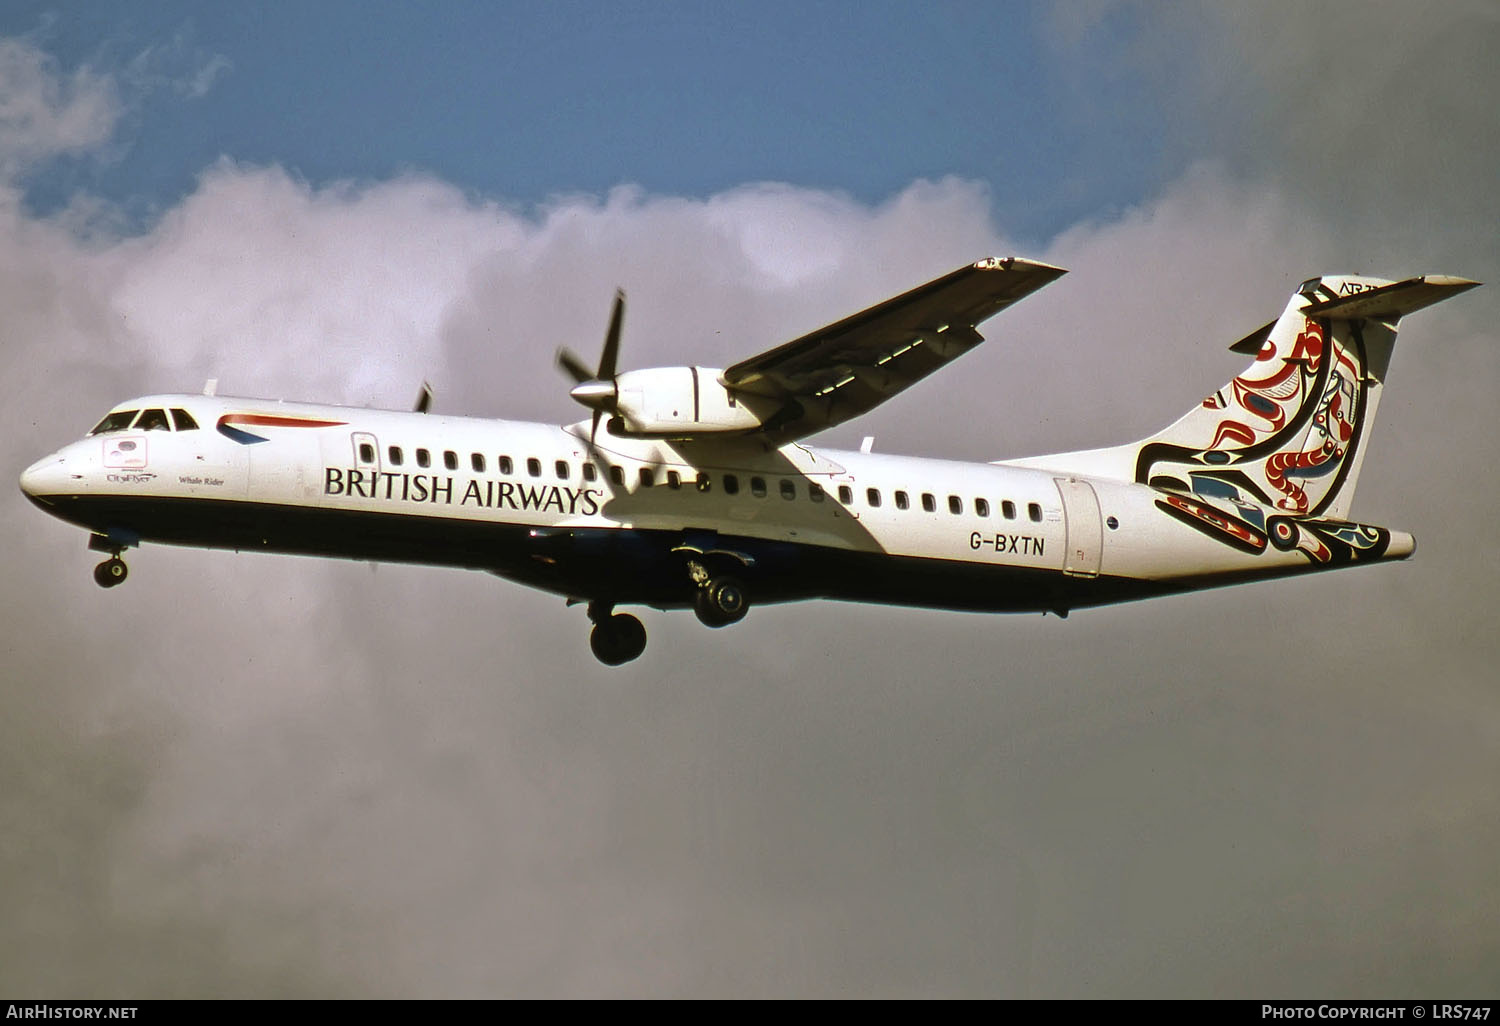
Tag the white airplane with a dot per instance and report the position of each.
(691, 487)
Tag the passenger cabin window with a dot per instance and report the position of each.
(617, 474)
(788, 488)
(424, 458)
(955, 504)
(846, 495)
(1008, 508)
(902, 502)
(590, 472)
(394, 452)
(647, 477)
(534, 467)
(183, 420)
(815, 492)
(982, 507)
(674, 480)
(562, 470)
(366, 452)
(476, 460)
(450, 459)
(704, 482)
(506, 466)
(758, 487)
(872, 496)
(929, 503)
(1034, 512)
(153, 420)
(731, 484)
(115, 422)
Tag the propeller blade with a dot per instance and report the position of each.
(612, 339)
(598, 390)
(576, 368)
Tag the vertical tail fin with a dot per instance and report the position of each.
(1290, 431)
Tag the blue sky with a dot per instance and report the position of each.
(265, 776)
(523, 101)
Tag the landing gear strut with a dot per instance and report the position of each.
(617, 637)
(111, 572)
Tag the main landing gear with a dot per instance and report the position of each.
(720, 601)
(617, 637)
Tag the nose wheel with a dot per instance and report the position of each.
(617, 638)
(111, 572)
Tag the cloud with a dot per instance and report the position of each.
(1376, 114)
(176, 64)
(45, 113)
(270, 776)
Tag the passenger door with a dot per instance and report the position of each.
(1085, 531)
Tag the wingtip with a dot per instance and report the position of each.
(1016, 263)
(1449, 281)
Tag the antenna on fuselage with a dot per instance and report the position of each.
(424, 399)
(210, 386)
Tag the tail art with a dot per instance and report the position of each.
(1274, 455)
(1289, 433)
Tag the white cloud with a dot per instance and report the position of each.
(46, 113)
(176, 64)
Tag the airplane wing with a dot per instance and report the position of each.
(848, 368)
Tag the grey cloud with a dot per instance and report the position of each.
(1378, 115)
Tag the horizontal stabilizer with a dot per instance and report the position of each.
(1387, 302)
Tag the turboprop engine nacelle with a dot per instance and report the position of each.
(681, 401)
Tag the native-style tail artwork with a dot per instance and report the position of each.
(1270, 460)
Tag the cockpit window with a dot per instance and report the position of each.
(117, 421)
(183, 420)
(153, 420)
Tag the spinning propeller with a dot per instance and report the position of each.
(598, 390)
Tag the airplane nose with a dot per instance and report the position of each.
(43, 478)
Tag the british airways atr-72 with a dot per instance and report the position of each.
(690, 487)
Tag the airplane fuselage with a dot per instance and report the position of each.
(619, 519)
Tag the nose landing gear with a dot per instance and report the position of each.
(111, 572)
